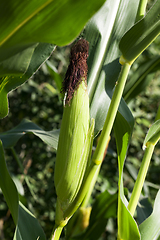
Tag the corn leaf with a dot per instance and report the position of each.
(153, 134)
(103, 32)
(141, 78)
(27, 226)
(20, 68)
(141, 35)
(104, 208)
(44, 21)
(108, 25)
(17, 64)
(129, 230)
(56, 76)
(11, 137)
(144, 209)
(150, 228)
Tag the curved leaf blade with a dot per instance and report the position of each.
(3, 102)
(44, 21)
(27, 226)
(103, 33)
(104, 208)
(140, 79)
(123, 131)
(104, 69)
(8, 187)
(11, 137)
(141, 35)
(150, 228)
(33, 61)
(153, 134)
(17, 64)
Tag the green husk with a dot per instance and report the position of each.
(76, 137)
(70, 163)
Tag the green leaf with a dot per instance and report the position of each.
(3, 99)
(153, 134)
(11, 137)
(129, 230)
(103, 33)
(44, 21)
(104, 208)
(150, 228)
(144, 210)
(8, 187)
(25, 62)
(140, 79)
(17, 64)
(27, 226)
(141, 35)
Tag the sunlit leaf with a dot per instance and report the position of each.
(107, 25)
(25, 63)
(54, 73)
(44, 21)
(103, 32)
(141, 35)
(129, 230)
(153, 134)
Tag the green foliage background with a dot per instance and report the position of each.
(35, 101)
(40, 101)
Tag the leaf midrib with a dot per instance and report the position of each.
(25, 21)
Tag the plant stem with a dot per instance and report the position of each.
(141, 10)
(113, 108)
(94, 179)
(56, 232)
(140, 179)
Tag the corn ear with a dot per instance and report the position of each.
(74, 140)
